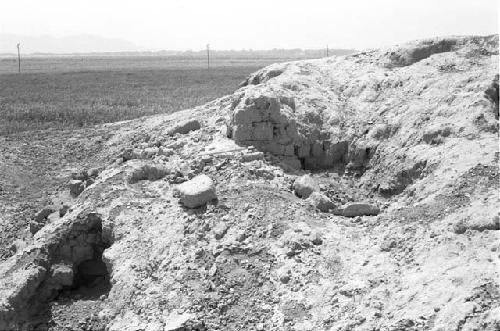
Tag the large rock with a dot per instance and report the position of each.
(360, 209)
(185, 127)
(196, 192)
(304, 186)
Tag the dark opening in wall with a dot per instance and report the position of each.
(91, 278)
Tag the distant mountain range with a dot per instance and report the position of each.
(95, 45)
(64, 45)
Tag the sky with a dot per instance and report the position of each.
(255, 24)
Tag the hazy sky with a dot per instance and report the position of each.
(257, 24)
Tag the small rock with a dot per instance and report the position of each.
(205, 159)
(62, 274)
(284, 275)
(35, 227)
(178, 322)
(89, 182)
(476, 224)
(387, 245)
(316, 238)
(132, 154)
(18, 245)
(264, 172)
(360, 209)
(196, 192)
(304, 186)
(93, 172)
(320, 202)
(42, 215)
(220, 230)
(150, 152)
(76, 187)
(249, 157)
(185, 127)
(63, 210)
(213, 270)
(459, 227)
(166, 151)
(148, 172)
(79, 175)
(241, 235)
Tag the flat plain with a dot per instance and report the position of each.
(73, 92)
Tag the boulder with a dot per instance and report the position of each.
(304, 186)
(360, 209)
(185, 127)
(320, 202)
(196, 192)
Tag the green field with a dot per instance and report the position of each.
(75, 92)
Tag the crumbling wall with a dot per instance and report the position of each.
(55, 264)
(271, 123)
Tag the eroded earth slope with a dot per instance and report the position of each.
(395, 228)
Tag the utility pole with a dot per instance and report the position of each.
(19, 57)
(326, 50)
(208, 56)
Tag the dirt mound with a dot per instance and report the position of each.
(400, 231)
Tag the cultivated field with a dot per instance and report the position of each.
(76, 92)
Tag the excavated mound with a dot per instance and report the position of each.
(412, 131)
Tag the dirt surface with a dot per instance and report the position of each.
(398, 228)
(34, 171)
